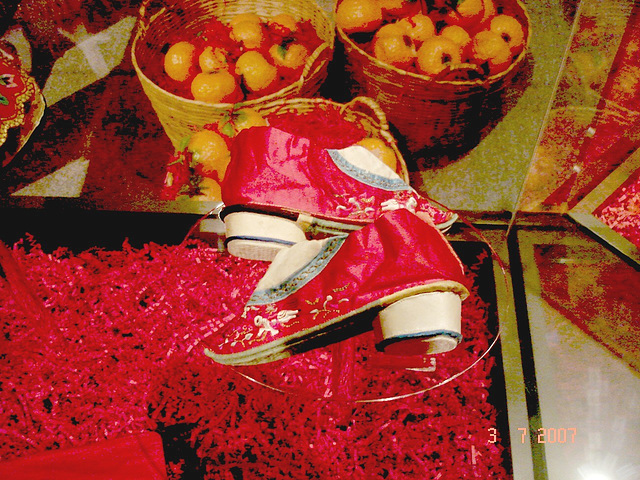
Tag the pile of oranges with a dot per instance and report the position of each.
(198, 166)
(244, 59)
(457, 39)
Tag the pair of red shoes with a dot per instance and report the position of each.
(379, 259)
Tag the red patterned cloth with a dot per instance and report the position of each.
(15, 90)
(621, 211)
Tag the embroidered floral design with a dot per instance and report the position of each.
(239, 336)
(365, 206)
(395, 204)
(270, 324)
(8, 80)
(15, 90)
(267, 326)
(329, 305)
(356, 207)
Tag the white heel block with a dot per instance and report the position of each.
(257, 236)
(421, 324)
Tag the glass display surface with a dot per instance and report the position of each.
(584, 331)
(590, 126)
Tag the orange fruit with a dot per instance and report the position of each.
(392, 7)
(209, 189)
(391, 29)
(489, 47)
(354, 16)
(212, 59)
(457, 34)
(249, 33)
(283, 24)
(240, 120)
(437, 53)
(381, 150)
(179, 61)
(399, 8)
(210, 153)
(245, 17)
(214, 87)
(258, 74)
(396, 50)
(419, 27)
(293, 55)
(466, 13)
(489, 11)
(510, 29)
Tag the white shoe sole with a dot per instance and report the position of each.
(421, 324)
(257, 236)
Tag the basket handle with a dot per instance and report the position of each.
(368, 106)
(314, 63)
(145, 17)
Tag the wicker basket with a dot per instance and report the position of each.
(179, 116)
(362, 111)
(428, 112)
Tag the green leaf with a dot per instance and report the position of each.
(228, 130)
(241, 116)
(183, 143)
(4, 100)
(179, 159)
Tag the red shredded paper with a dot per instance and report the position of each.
(124, 356)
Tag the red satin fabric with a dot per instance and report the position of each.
(277, 171)
(396, 252)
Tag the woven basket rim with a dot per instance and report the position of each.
(488, 81)
(141, 28)
(314, 100)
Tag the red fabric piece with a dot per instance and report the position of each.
(136, 456)
(621, 211)
(615, 127)
(277, 171)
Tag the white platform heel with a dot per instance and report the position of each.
(257, 236)
(421, 324)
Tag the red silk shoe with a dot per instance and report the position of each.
(280, 186)
(398, 275)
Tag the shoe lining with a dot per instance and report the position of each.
(362, 165)
(277, 284)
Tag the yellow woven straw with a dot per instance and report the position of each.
(179, 116)
(425, 111)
